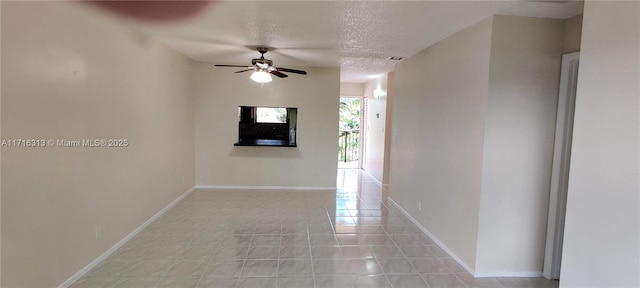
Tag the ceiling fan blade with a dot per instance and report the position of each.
(237, 66)
(291, 70)
(245, 70)
(279, 74)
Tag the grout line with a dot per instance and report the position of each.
(253, 232)
(206, 268)
(383, 272)
(313, 271)
(278, 261)
(409, 259)
(405, 257)
(377, 259)
(459, 279)
(164, 235)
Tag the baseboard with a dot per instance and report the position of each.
(453, 255)
(508, 274)
(231, 187)
(433, 237)
(374, 178)
(116, 246)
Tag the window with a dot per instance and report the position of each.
(271, 115)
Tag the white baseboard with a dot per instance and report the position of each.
(433, 237)
(508, 274)
(116, 246)
(374, 178)
(231, 187)
(453, 255)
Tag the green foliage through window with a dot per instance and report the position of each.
(271, 115)
(350, 114)
(349, 134)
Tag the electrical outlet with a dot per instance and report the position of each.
(419, 205)
(98, 232)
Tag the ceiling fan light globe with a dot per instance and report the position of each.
(261, 77)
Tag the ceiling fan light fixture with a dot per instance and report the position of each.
(263, 68)
(261, 76)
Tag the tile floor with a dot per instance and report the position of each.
(234, 238)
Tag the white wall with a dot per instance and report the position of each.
(387, 134)
(473, 126)
(518, 144)
(313, 163)
(69, 72)
(0, 150)
(376, 127)
(351, 89)
(572, 34)
(601, 239)
(437, 136)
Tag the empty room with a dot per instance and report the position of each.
(320, 144)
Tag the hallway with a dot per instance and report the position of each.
(273, 238)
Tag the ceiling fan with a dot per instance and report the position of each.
(262, 68)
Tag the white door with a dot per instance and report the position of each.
(560, 167)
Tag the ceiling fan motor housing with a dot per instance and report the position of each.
(261, 61)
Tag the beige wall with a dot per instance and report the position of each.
(0, 148)
(313, 163)
(437, 136)
(387, 134)
(518, 144)
(572, 34)
(376, 127)
(69, 72)
(601, 239)
(352, 89)
(473, 126)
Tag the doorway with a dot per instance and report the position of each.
(560, 166)
(349, 133)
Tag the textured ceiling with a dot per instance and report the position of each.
(356, 36)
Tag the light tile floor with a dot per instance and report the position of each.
(234, 238)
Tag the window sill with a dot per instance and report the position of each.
(265, 142)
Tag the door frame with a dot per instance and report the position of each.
(560, 166)
(361, 142)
